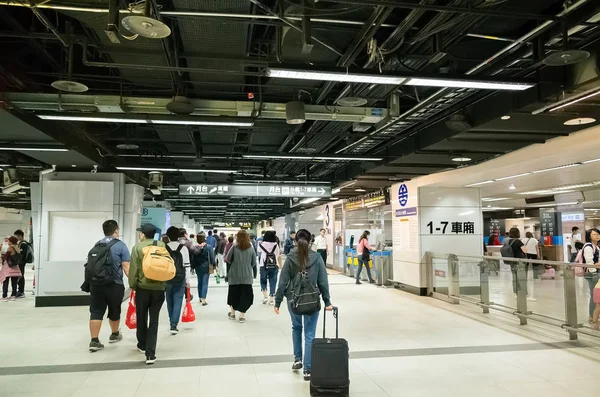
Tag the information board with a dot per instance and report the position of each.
(255, 190)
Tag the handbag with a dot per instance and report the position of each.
(131, 319)
(188, 312)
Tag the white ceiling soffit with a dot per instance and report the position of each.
(576, 148)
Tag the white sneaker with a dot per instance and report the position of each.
(531, 299)
(265, 300)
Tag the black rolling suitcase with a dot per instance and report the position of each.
(330, 374)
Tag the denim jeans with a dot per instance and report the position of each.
(592, 282)
(310, 328)
(174, 295)
(367, 269)
(203, 285)
(271, 275)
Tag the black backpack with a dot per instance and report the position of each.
(26, 252)
(306, 299)
(179, 267)
(99, 268)
(270, 259)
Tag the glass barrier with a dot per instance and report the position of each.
(545, 291)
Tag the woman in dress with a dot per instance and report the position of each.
(241, 270)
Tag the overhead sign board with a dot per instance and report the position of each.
(370, 200)
(255, 190)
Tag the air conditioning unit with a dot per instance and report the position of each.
(10, 181)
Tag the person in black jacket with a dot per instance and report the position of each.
(289, 243)
(303, 259)
(27, 255)
(203, 259)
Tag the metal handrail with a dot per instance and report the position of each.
(435, 255)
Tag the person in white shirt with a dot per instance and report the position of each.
(321, 245)
(533, 252)
(576, 243)
(176, 288)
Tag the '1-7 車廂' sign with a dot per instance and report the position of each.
(447, 227)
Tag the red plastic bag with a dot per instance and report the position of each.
(131, 319)
(188, 312)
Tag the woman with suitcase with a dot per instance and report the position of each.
(303, 278)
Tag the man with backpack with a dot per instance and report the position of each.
(107, 262)
(149, 292)
(176, 287)
(26, 258)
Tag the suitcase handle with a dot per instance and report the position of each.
(335, 315)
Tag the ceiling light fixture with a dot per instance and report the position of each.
(461, 159)
(580, 121)
(359, 190)
(482, 85)
(336, 190)
(33, 149)
(491, 199)
(334, 76)
(507, 117)
(582, 97)
(176, 170)
(150, 119)
(512, 186)
(309, 200)
(317, 158)
(560, 167)
(512, 176)
(480, 183)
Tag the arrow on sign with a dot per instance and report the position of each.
(190, 190)
(322, 191)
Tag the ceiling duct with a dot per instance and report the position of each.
(295, 113)
(145, 25)
(458, 122)
(181, 105)
(10, 181)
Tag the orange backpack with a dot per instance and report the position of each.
(157, 264)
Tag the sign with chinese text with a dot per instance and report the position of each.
(255, 190)
(451, 227)
(572, 217)
(370, 200)
(412, 211)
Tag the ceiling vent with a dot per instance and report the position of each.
(458, 122)
(145, 25)
(181, 105)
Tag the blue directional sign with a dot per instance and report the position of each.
(403, 195)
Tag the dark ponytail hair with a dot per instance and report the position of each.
(365, 235)
(303, 238)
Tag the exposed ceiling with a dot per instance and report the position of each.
(220, 52)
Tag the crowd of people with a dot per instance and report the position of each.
(238, 260)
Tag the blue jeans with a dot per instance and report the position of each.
(271, 275)
(203, 285)
(310, 328)
(367, 269)
(174, 295)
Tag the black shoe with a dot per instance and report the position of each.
(95, 346)
(307, 376)
(20, 295)
(150, 360)
(372, 282)
(297, 365)
(174, 331)
(358, 282)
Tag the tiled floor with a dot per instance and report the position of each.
(401, 345)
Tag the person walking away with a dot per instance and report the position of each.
(107, 292)
(149, 295)
(211, 241)
(269, 264)
(176, 287)
(289, 243)
(363, 252)
(517, 250)
(303, 263)
(591, 254)
(321, 244)
(228, 247)
(576, 243)
(10, 271)
(26, 259)
(202, 260)
(220, 255)
(532, 248)
(242, 270)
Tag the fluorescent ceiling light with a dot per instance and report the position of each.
(512, 186)
(480, 183)
(560, 167)
(146, 169)
(150, 169)
(461, 159)
(334, 76)
(299, 182)
(170, 189)
(507, 117)
(555, 204)
(309, 200)
(255, 204)
(583, 162)
(359, 190)
(483, 85)
(33, 149)
(199, 207)
(150, 119)
(512, 176)
(208, 171)
(571, 102)
(496, 208)
(323, 158)
(336, 190)
(490, 199)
